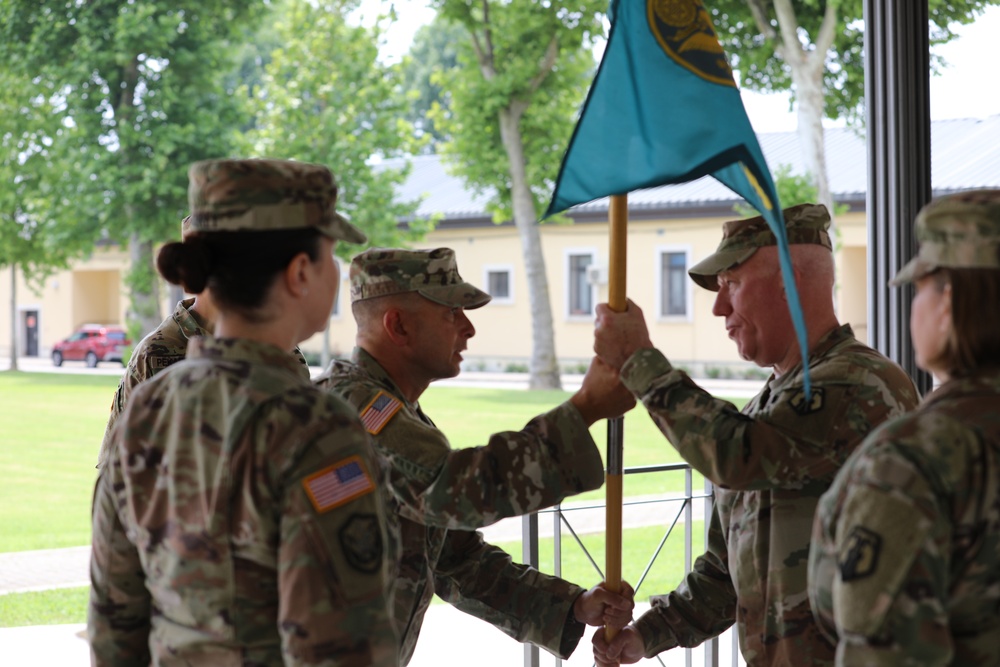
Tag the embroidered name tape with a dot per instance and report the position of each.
(378, 413)
(340, 483)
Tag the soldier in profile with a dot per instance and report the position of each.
(240, 517)
(905, 564)
(410, 307)
(771, 461)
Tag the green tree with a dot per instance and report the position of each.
(140, 82)
(793, 189)
(815, 50)
(434, 52)
(523, 71)
(31, 244)
(324, 97)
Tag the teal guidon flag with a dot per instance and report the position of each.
(663, 109)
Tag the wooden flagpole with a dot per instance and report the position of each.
(617, 223)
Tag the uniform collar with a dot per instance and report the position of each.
(245, 350)
(366, 362)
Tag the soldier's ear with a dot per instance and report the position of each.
(394, 325)
(296, 275)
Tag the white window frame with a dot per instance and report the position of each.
(660, 251)
(500, 268)
(567, 254)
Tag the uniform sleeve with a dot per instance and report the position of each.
(893, 540)
(482, 580)
(118, 616)
(337, 555)
(788, 442)
(132, 376)
(702, 607)
(514, 473)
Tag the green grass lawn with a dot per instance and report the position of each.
(504, 409)
(64, 605)
(639, 546)
(53, 425)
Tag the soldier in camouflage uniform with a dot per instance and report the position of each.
(239, 518)
(410, 306)
(905, 564)
(165, 346)
(770, 462)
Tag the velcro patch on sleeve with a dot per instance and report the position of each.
(378, 413)
(879, 537)
(338, 484)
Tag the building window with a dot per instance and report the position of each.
(580, 290)
(674, 288)
(499, 282)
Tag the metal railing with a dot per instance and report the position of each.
(561, 520)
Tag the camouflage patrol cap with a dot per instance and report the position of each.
(263, 195)
(805, 223)
(431, 273)
(960, 231)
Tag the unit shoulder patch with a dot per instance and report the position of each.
(361, 542)
(338, 484)
(860, 555)
(807, 407)
(379, 411)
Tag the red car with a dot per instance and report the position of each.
(92, 343)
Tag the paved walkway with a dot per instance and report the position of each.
(448, 638)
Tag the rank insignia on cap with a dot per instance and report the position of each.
(378, 413)
(860, 555)
(340, 483)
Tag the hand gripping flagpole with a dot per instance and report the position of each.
(617, 223)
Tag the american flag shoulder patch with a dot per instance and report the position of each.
(338, 484)
(378, 413)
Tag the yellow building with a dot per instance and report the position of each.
(670, 229)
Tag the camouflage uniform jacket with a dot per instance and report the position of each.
(164, 347)
(905, 564)
(771, 463)
(515, 473)
(458, 565)
(239, 521)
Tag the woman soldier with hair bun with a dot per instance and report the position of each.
(905, 564)
(239, 519)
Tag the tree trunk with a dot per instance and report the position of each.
(808, 66)
(13, 316)
(144, 285)
(809, 94)
(544, 367)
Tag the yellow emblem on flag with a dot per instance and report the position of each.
(764, 199)
(684, 30)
